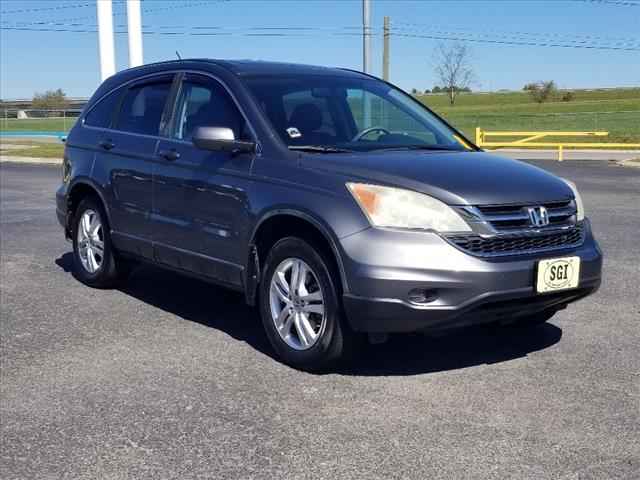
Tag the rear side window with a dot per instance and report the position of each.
(142, 107)
(102, 113)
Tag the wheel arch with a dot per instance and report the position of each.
(80, 189)
(295, 223)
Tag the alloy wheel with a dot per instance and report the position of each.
(297, 304)
(91, 241)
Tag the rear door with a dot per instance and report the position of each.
(200, 197)
(128, 151)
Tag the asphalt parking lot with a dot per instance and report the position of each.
(171, 378)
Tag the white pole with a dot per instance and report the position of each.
(105, 39)
(134, 24)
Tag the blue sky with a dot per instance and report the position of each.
(33, 61)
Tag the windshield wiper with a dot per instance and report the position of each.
(319, 149)
(422, 147)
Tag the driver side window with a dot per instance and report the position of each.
(203, 102)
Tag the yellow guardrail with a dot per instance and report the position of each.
(531, 140)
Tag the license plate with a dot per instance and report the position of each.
(558, 274)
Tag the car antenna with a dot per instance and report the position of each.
(178, 55)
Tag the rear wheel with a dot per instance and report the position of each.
(300, 307)
(94, 260)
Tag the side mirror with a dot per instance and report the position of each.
(220, 139)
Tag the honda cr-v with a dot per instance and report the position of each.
(338, 204)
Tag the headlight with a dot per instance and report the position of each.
(398, 208)
(576, 194)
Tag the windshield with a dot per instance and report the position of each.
(345, 114)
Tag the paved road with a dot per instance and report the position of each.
(171, 378)
(569, 154)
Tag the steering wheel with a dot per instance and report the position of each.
(367, 131)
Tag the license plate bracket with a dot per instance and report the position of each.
(557, 274)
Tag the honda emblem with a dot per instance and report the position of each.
(538, 216)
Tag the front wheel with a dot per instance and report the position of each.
(300, 307)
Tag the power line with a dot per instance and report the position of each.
(492, 37)
(193, 27)
(445, 35)
(519, 40)
(518, 43)
(286, 32)
(187, 4)
(92, 29)
(46, 9)
(567, 37)
(171, 6)
(617, 3)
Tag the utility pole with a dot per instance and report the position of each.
(105, 39)
(366, 59)
(134, 27)
(366, 36)
(385, 51)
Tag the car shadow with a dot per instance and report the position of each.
(415, 354)
(403, 354)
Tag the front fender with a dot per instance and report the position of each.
(334, 216)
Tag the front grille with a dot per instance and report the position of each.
(504, 218)
(518, 244)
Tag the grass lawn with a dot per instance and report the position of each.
(616, 111)
(35, 149)
(36, 124)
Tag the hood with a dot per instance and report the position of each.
(456, 178)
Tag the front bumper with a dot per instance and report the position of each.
(383, 266)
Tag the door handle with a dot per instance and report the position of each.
(106, 144)
(170, 155)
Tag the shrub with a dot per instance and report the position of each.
(542, 91)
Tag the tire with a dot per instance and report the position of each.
(296, 345)
(96, 266)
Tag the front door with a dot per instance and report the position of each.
(200, 197)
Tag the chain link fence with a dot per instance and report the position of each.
(37, 121)
(623, 126)
(35, 133)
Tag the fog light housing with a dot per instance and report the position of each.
(421, 296)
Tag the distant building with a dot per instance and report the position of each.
(27, 104)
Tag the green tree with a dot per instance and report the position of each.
(50, 100)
